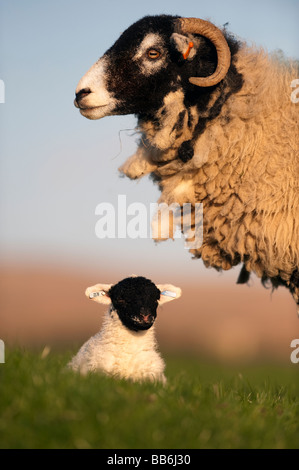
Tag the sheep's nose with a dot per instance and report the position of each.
(82, 93)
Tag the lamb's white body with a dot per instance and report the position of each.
(120, 352)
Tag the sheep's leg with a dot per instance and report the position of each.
(295, 294)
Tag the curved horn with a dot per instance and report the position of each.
(211, 32)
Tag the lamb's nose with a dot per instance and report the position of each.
(82, 93)
(146, 318)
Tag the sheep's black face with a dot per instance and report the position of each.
(132, 75)
(143, 66)
(135, 300)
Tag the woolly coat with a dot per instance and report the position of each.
(120, 352)
(245, 170)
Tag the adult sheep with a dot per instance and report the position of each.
(218, 126)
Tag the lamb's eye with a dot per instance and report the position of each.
(153, 54)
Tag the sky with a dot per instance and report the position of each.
(55, 165)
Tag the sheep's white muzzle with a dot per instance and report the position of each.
(92, 97)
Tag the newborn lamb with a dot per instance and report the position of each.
(126, 345)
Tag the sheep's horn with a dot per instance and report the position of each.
(210, 31)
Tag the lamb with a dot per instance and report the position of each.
(126, 346)
(218, 127)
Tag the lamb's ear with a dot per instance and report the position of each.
(99, 293)
(168, 292)
(186, 45)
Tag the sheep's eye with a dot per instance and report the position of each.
(153, 54)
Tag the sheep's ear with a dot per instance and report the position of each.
(99, 293)
(186, 45)
(168, 292)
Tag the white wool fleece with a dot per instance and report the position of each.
(120, 352)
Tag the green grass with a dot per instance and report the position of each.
(42, 405)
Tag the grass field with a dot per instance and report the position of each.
(203, 406)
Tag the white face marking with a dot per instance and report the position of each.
(149, 66)
(99, 102)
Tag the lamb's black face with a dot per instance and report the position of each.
(136, 300)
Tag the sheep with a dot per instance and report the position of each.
(126, 345)
(218, 127)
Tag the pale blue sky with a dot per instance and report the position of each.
(56, 166)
